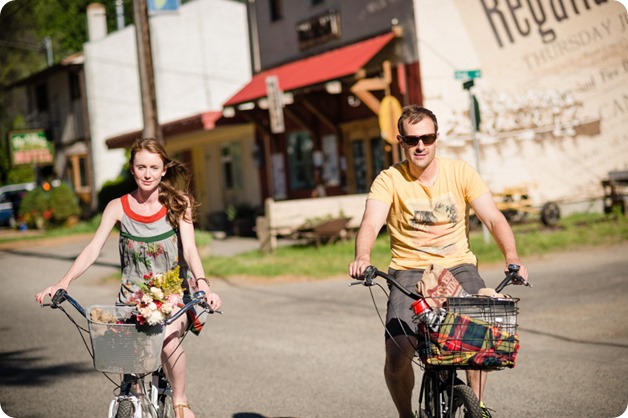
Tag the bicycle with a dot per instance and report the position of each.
(442, 393)
(131, 350)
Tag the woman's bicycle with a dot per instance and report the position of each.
(469, 333)
(120, 346)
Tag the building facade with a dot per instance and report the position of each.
(200, 58)
(552, 92)
(322, 70)
(57, 105)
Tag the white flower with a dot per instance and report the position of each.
(166, 308)
(145, 312)
(147, 298)
(155, 318)
(157, 292)
(152, 306)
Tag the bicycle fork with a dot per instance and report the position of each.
(436, 394)
(133, 400)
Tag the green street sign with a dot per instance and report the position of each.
(467, 74)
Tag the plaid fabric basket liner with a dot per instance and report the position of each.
(464, 341)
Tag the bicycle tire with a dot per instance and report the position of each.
(148, 409)
(465, 403)
(125, 409)
(166, 407)
(429, 407)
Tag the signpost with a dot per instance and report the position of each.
(468, 76)
(275, 104)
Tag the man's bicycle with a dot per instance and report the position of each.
(134, 351)
(469, 333)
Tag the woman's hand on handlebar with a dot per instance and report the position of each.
(213, 299)
(49, 291)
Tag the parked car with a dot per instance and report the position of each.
(10, 199)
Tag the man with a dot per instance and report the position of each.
(424, 202)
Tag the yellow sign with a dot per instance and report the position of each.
(389, 113)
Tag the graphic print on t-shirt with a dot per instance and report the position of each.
(433, 220)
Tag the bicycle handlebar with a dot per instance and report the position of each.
(197, 299)
(371, 272)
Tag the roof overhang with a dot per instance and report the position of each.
(331, 65)
(200, 122)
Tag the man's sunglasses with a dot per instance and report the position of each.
(412, 140)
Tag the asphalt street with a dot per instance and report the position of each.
(315, 348)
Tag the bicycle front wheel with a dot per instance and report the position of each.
(166, 407)
(465, 403)
(125, 409)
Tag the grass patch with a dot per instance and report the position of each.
(577, 231)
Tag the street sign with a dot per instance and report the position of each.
(467, 74)
(30, 147)
(157, 6)
(275, 104)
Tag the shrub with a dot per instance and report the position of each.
(35, 207)
(64, 203)
(40, 207)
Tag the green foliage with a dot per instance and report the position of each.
(64, 203)
(114, 189)
(39, 207)
(21, 174)
(574, 232)
(35, 203)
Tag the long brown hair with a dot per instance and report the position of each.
(174, 189)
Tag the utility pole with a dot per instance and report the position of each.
(146, 72)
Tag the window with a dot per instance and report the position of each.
(78, 173)
(359, 161)
(75, 86)
(378, 156)
(300, 167)
(276, 10)
(41, 97)
(231, 162)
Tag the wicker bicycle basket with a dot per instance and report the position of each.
(123, 347)
(477, 332)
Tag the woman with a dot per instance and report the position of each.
(156, 235)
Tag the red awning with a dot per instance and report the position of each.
(327, 66)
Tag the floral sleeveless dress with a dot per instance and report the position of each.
(150, 244)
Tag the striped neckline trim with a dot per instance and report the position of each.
(141, 218)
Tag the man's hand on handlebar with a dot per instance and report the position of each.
(357, 267)
(522, 274)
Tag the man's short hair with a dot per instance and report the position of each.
(414, 114)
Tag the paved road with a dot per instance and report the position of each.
(314, 348)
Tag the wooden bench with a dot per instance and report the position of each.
(286, 217)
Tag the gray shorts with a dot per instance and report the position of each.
(399, 313)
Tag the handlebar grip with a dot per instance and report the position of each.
(59, 297)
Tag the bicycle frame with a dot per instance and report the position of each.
(134, 398)
(443, 391)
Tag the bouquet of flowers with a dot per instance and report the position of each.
(157, 296)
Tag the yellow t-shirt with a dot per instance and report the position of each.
(429, 225)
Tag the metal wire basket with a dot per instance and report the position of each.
(476, 332)
(123, 347)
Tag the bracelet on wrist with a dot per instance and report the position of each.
(204, 279)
